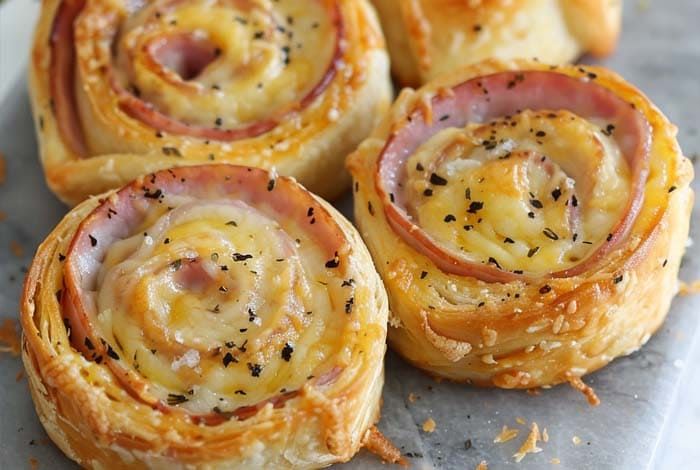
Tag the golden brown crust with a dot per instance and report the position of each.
(97, 422)
(427, 38)
(310, 143)
(480, 332)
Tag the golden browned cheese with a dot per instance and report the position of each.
(429, 37)
(532, 197)
(206, 317)
(123, 88)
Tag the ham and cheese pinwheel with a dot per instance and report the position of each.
(205, 317)
(528, 221)
(124, 88)
(427, 38)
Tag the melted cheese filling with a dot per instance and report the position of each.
(218, 305)
(535, 192)
(224, 63)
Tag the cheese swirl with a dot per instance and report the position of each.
(204, 296)
(219, 297)
(538, 191)
(145, 86)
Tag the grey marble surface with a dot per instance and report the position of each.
(649, 412)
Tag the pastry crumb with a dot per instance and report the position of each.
(689, 288)
(16, 249)
(530, 444)
(555, 461)
(576, 440)
(545, 435)
(533, 392)
(587, 390)
(482, 466)
(506, 435)
(412, 397)
(429, 425)
(9, 338)
(379, 445)
(519, 420)
(33, 463)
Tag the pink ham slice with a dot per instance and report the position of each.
(62, 70)
(506, 94)
(120, 215)
(185, 54)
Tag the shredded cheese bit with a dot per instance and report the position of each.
(488, 359)
(689, 288)
(587, 390)
(559, 322)
(520, 420)
(333, 115)
(189, 359)
(429, 425)
(490, 336)
(506, 434)
(530, 444)
(555, 461)
(9, 339)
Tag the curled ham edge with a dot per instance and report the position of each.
(62, 76)
(117, 217)
(509, 92)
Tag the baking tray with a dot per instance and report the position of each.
(660, 53)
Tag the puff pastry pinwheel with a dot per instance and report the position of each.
(125, 88)
(528, 221)
(427, 38)
(205, 317)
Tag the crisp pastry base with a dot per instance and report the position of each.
(579, 323)
(310, 145)
(82, 431)
(427, 38)
(95, 422)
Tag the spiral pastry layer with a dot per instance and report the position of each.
(120, 89)
(528, 221)
(427, 38)
(212, 316)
